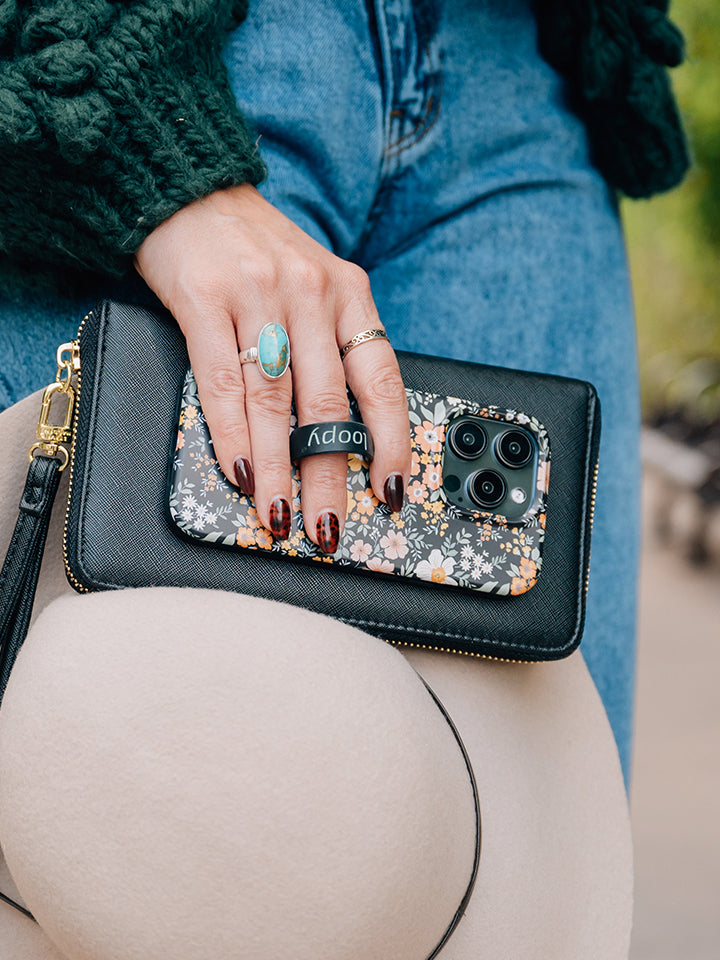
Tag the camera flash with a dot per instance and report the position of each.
(518, 495)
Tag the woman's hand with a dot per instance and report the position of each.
(225, 266)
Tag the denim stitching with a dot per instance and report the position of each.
(394, 149)
(423, 126)
(421, 66)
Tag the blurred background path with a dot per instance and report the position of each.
(676, 770)
(674, 250)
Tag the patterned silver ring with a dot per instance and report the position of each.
(364, 337)
(272, 353)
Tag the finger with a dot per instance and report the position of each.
(373, 375)
(212, 348)
(321, 395)
(374, 378)
(267, 407)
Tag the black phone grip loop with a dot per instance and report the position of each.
(333, 436)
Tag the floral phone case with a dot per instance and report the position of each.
(430, 539)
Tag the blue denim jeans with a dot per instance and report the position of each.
(429, 142)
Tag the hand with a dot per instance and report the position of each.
(225, 266)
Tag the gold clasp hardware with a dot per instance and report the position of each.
(70, 364)
(51, 438)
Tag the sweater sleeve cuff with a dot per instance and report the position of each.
(117, 136)
(616, 56)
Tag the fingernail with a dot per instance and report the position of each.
(327, 530)
(280, 518)
(395, 492)
(244, 476)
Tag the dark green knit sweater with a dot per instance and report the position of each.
(116, 113)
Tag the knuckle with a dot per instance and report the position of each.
(327, 405)
(263, 272)
(270, 404)
(357, 282)
(229, 438)
(324, 483)
(309, 276)
(273, 466)
(328, 478)
(227, 441)
(384, 390)
(223, 382)
(204, 292)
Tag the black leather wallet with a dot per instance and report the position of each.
(132, 367)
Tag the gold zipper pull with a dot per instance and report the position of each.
(53, 439)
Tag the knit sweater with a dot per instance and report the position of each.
(116, 113)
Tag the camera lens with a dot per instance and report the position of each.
(514, 448)
(467, 439)
(486, 488)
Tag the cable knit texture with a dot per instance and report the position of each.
(115, 113)
(614, 54)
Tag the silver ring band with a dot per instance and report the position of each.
(248, 356)
(364, 337)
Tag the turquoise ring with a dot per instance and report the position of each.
(272, 353)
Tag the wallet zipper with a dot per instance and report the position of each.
(61, 439)
(72, 370)
(593, 497)
(487, 656)
(74, 348)
(458, 653)
(58, 440)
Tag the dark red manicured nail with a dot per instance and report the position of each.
(244, 476)
(280, 518)
(395, 492)
(327, 530)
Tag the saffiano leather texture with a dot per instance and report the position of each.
(133, 362)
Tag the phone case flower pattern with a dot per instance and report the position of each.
(429, 539)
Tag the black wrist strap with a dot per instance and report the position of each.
(333, 436)
(19, 576)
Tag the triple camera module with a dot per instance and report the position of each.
(489, 465)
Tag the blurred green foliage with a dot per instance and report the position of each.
(674, 242)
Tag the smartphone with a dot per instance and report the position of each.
(473, 517)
